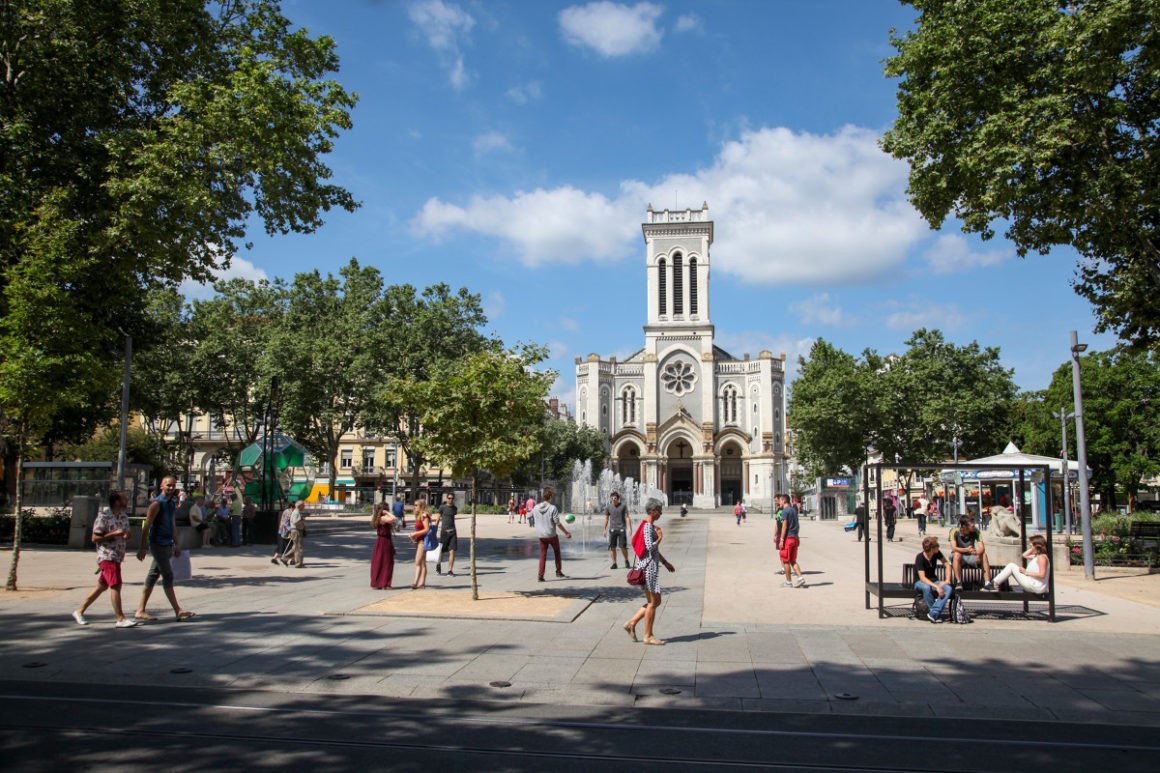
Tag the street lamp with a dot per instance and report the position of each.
(956, 444)
(1064, 416)
(1085, 509)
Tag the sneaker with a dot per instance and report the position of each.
(541, 579)
(989, 586)
(79, 618)
(959, 585)
(787, 585)
(450, 573)
(126, 623)
(799, 582)
(561, 574)
(932, 618)
(612, 567)
(438, 569)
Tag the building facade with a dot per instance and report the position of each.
(682, 414)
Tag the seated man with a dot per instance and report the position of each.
(937, 594)
(967, 544)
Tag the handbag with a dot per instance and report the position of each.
(635, 577)
(431, 540)
(181, 566)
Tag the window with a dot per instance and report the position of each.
(678, 286)
(692, 285)
(392, 458)
(679, 377)
(368, 458)
(345, 459)
(628, 406)
(729, 405)
(662, 287)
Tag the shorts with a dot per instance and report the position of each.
(969, 559)
(110, 573)
(789, 550)
(449, 540)
(617, 539)
(202, 526)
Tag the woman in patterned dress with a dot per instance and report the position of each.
(650, 563)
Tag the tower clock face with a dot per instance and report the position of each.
(679, 377)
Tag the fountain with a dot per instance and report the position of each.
(587, 499)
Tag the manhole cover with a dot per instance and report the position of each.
(338, 677)
(35, 664)
(500, 683)
(182, 670)
(846, 696)
(670, 691)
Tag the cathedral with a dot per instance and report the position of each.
(682, 414)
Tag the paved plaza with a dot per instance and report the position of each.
(737, 640)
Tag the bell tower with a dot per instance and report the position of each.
(677, 253)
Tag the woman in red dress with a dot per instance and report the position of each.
(383, 560)
(422, 526)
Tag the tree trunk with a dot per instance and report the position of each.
(474, 498)
(18, 531)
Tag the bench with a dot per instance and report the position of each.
(972, 577)
(1145, 533)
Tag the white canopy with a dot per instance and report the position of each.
(1012, 456)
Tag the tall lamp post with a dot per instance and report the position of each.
(1085, 507)
(956, 444)
(1064, 416)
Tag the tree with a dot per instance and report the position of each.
(482, 413)
(1121, 402)
(830, 410)
(333, 344)
(561, 443)
(140, 137)
(1042, 114)
(424, 334)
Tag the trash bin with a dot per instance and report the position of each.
(265, 527)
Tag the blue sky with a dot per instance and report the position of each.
(513, 147)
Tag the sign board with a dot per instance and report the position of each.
(837, 483)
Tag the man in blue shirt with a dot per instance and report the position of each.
(399, 511)
(789, 544)
(157, 538)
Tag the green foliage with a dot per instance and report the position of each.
(51, 529)
(482, 412)
(1121, 401)
(831, 410)
(561, 443)
(1042, 115)
(141, 447)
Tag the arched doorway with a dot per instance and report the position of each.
(628, 462)
(732, 474)
(680, 464)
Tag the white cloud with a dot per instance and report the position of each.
(544, 226)
(527, 92)
(492, 142)
(921, 312)
(612, 29)
(446, 27)
(790, 208)
(239, 268)
(821, 309)
(951, 253)
(569, 324)
(688, 23)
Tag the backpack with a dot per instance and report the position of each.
(919, 608)
(959, 612)
(638, 541)
(431, 539)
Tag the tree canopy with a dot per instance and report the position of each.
(141, 138)
(1042, 115)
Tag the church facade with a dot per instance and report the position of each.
(682, 414)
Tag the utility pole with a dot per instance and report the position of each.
(1085, 507)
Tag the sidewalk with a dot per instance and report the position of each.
(736, 638)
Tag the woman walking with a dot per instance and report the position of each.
(383, 560)
(422, 526)
(650, 563)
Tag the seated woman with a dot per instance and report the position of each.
(199, 521)
(1033, 579)
(936, 593)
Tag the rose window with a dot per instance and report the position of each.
(679, 377)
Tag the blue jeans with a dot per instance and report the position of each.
(235, 530)
(933, 602)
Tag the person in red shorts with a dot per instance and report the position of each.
(789, 544)
(110, 531)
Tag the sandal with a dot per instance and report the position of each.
(653, 640)
(185, 615)
(144, 616)
(631, 631)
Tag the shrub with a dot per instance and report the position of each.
(51, 529)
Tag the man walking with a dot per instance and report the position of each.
(860, 519)
(298, 533)
(547, 519)
(109, 533)
(157, 535)
(447, 535)
(399, 510)
(617, 524)
(789, 544)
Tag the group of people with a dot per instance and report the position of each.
(220, 525)
(111, 532)
(967, 549)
